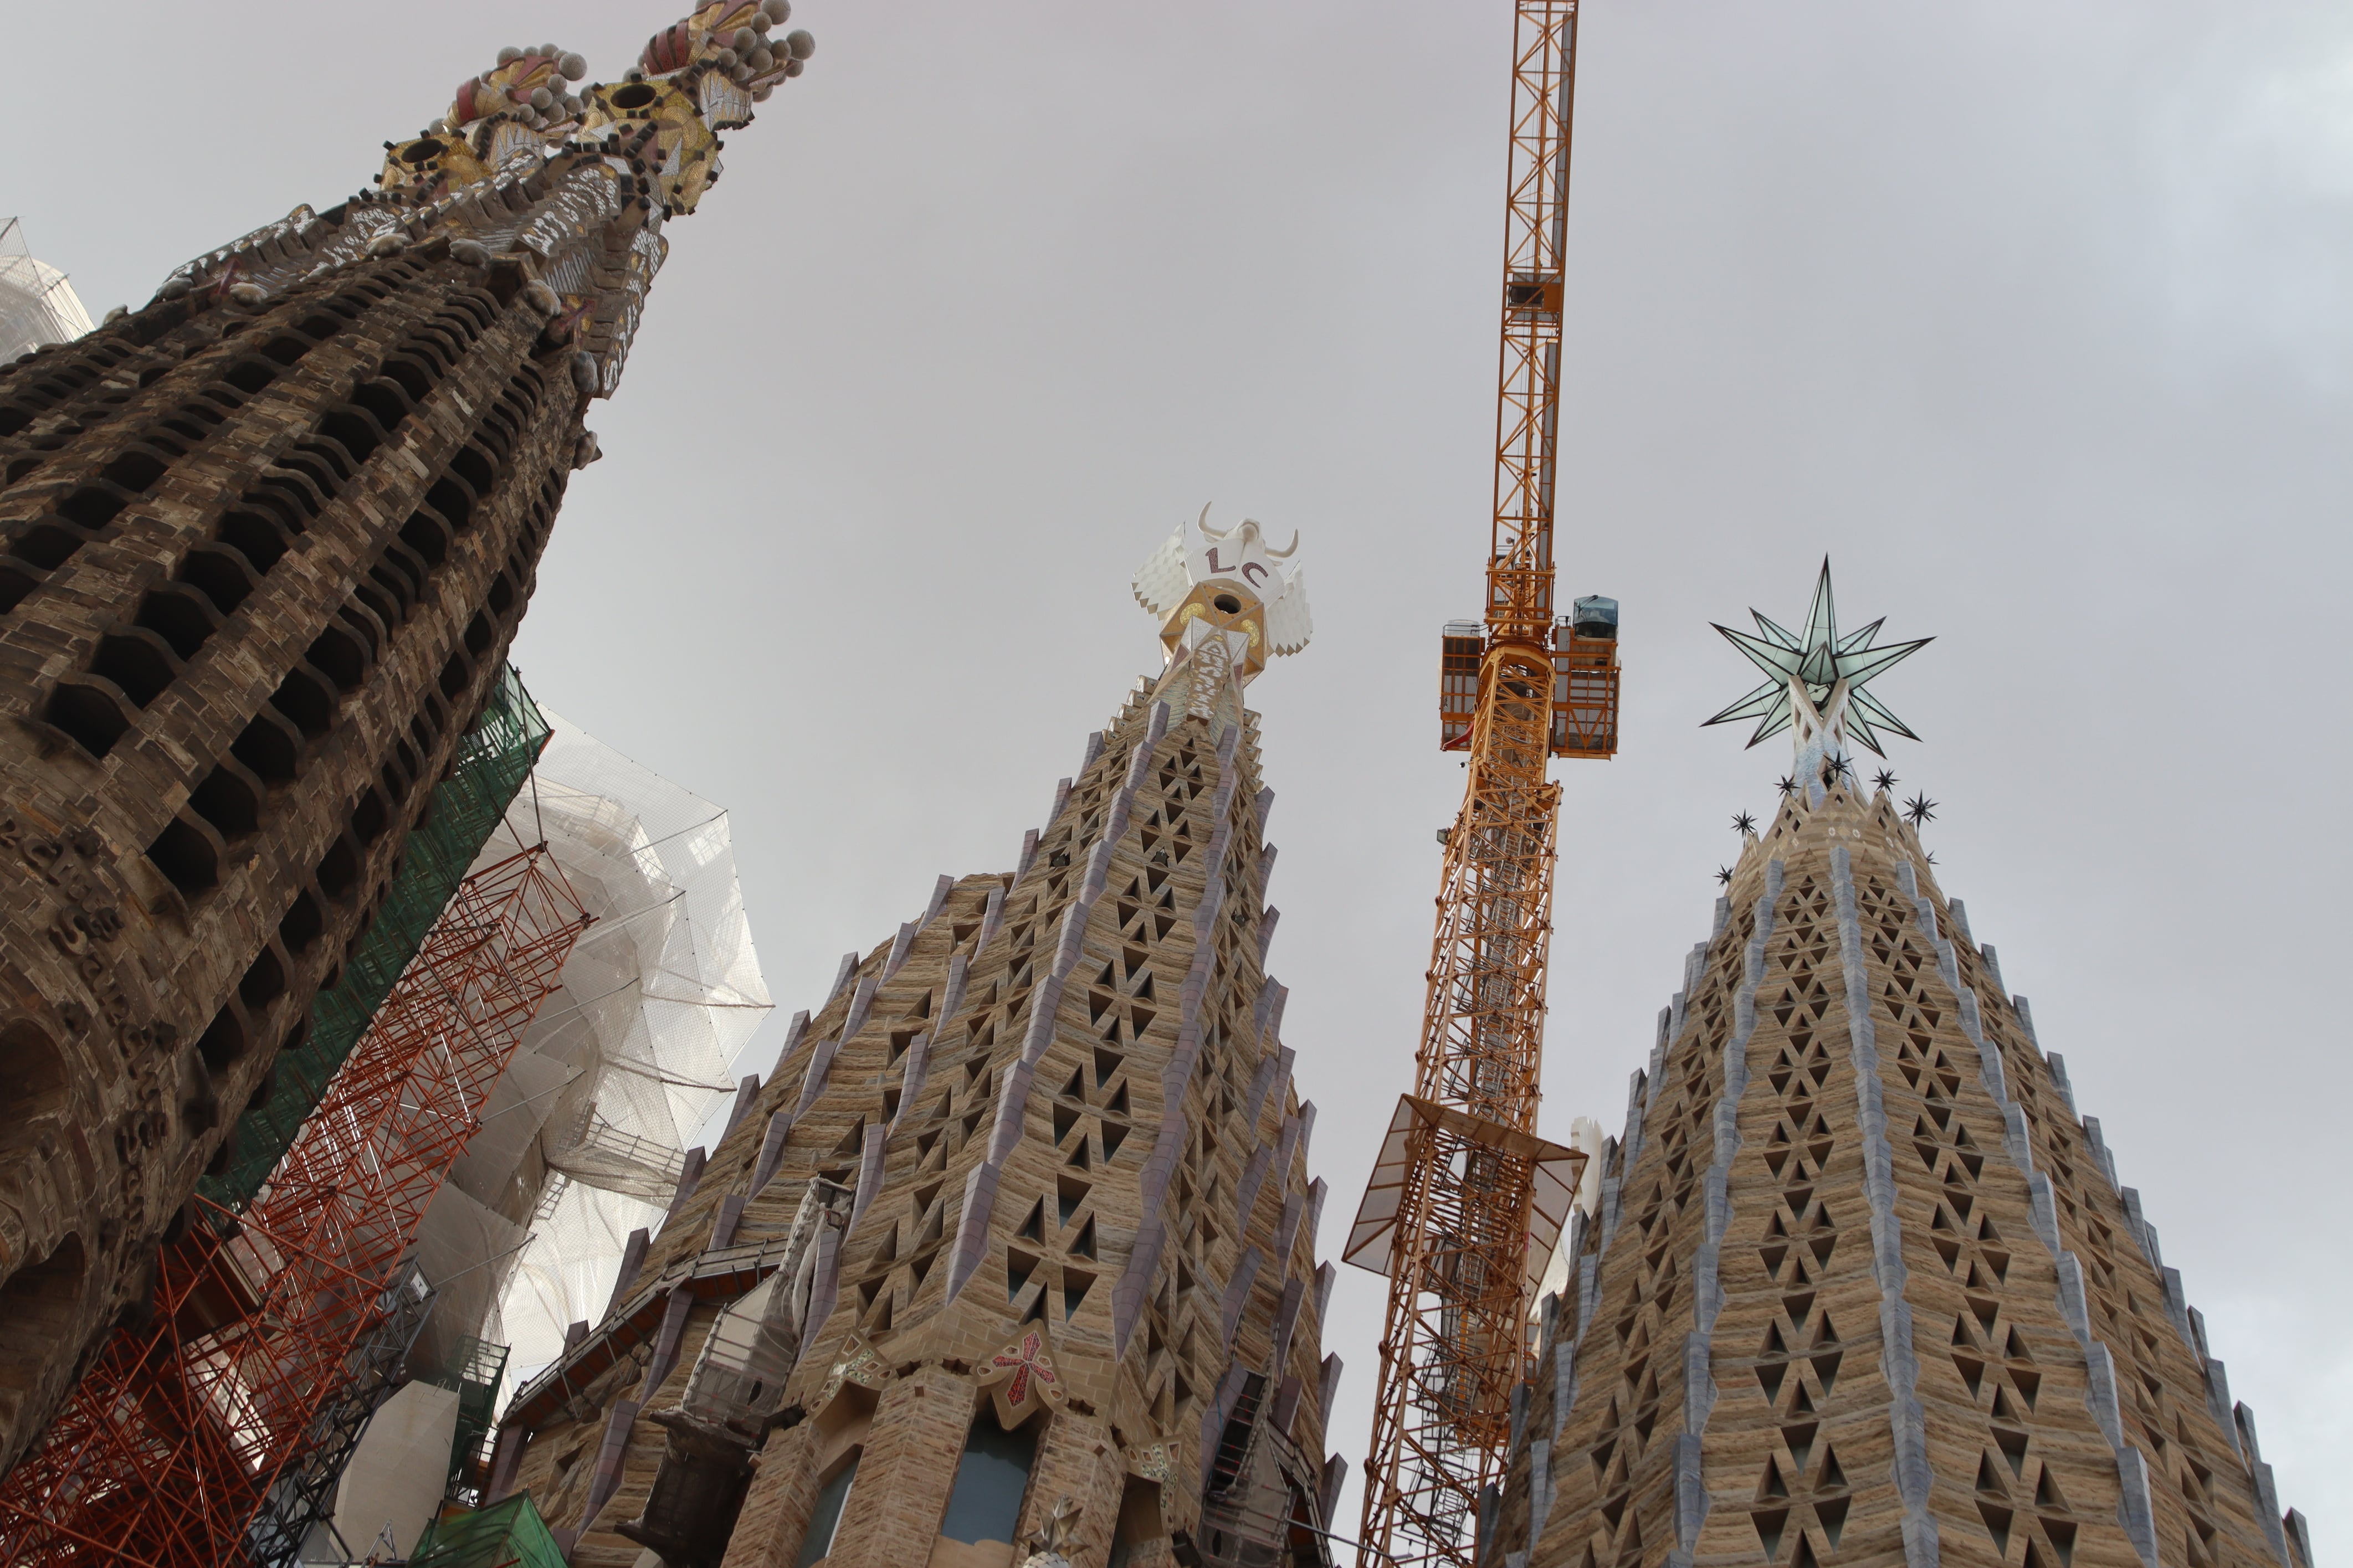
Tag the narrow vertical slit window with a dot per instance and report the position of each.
(825, 1520)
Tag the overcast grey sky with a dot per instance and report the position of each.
(2036, 318)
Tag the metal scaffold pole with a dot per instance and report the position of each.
(212, 1433)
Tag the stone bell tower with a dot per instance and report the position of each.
(1864, 1286)
(1015, 1251)
(264, 543)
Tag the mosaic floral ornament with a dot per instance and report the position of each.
(1022, 1377)
(858, 1363)
(1817, 679)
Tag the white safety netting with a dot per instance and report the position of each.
(584, 1139)
(38, 306)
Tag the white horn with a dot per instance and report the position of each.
(1285, 552)
(1203, 524)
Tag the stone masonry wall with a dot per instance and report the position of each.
(259, 572)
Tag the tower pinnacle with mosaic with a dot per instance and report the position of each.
(1863, 1285)
(264, 543)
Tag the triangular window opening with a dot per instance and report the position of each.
(1832, 1476)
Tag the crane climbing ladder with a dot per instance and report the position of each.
(1466, 1201)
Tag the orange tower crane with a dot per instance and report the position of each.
(1466, 1201)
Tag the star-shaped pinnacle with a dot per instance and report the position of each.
(1724, 875)
(1744, 825)
(1920, 809)
(1884, 779)
(1830, 669)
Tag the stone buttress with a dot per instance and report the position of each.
(1863, 1286)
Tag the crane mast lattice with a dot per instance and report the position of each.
(1462, 1210)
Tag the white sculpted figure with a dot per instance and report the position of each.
(1231, 591)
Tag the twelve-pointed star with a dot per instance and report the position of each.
(1819, 660)
(1920, 809)
(1743, 824)
(1884, 779)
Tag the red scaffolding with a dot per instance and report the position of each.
(207, 1436)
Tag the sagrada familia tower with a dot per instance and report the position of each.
(1864, 1286)
(1033, 1187)
(264, 543)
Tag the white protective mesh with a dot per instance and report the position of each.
(38, 306)
(584, 1139)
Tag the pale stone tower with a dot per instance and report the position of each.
(1864, 1287)
(1015, 1252)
